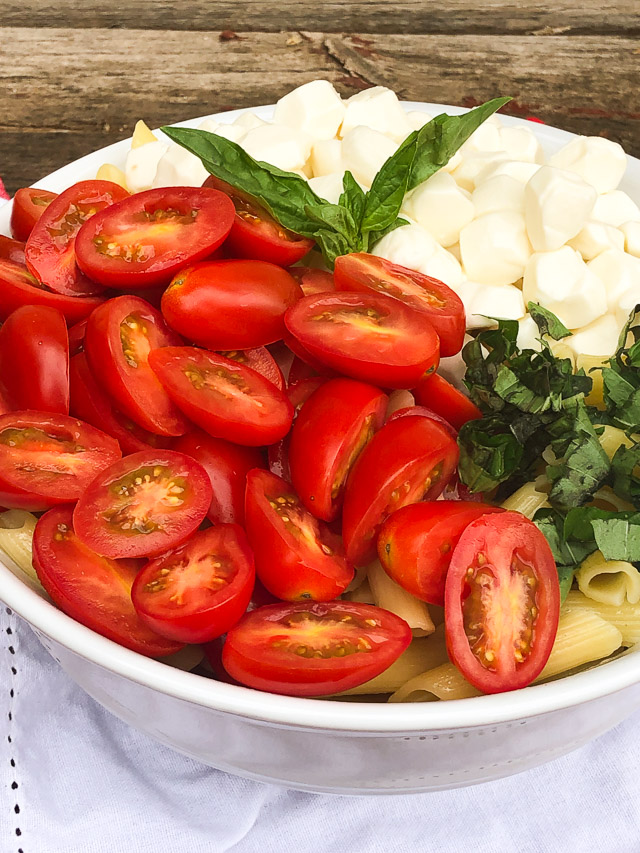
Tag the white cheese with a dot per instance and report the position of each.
(418, 119)
(557, 205)
(520, 170)
(521, 144)
(314, 108)
(494, 248)
(631, 232)
(485, 138)
(619, 272)
(598, 338)
(616, 208)
(598, 161)
(179, 168)
(248, 121)
(625, 305)
(442, 207)
(597, 237)
(528, 334)
(413, 247)
(379, 109)
(364, 151)
(501, 192)
(469, 169)
(142, 164)
(284, 147)
(328, 187)
(483, 302)
(453, 368)
(326, 157)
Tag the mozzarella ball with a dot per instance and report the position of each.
(314, 108)
(364, 151)
(453, 368)
(619, 273)
(284, 147)
(598, 338)
(528, 334)
(440, 206)
(248, 121)
(598, 161)
(631, 233)
(326, 157)
(498, 193)
(179, 168)
(418, 119)
(484, 139)
(494, 248)
(520, 143)
(483, 302)
(142, 165)
(615, 208)
(626, 303)
(328, 187)
(557, 204)
(233, 132)
(468, 170)
(209, 125)
(597, 237)
(520, 170)
(413, 247)
(379, 109)
(562, 282)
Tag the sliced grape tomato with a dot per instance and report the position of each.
(27, 207)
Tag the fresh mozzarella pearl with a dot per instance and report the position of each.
(557, 204)
(413, 247)
(494, 248)
(625, 305)
(452, 368)
(284, 147)
(598, 161)
(528, 334)
(326, 157)
(619, 272)
(314, 108)
(444, 266)
(520, 170)
(597, 237)
(364, 151)
(328, 187)
(521, 144)
(142, 164)
(485, 138)
(209, 125)
(455, 251)
(452, 164)
(598, 338)
(440, 206)
(483, 302)
(631, 232)
(234, 132)
(469, 169)
(179, 168)
(418, 119)
(498, 193)
(248, 121)
(562, 282)
(379, 109)
(616, 208)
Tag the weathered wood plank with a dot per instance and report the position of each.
(371, 16)
(64, 94)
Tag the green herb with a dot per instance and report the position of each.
(548, 324)
(625, 473)
(621, 379)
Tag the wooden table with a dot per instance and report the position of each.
(76, 74)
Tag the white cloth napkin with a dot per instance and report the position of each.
(76, 780)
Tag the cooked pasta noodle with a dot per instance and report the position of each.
(391, 596)
(399, 399)
(625, 617)
(612, 438)
(591, 365)
(527, 500)
(606, 498)
(443, 682)
(609, 581)
(361, 593)
(16, 535)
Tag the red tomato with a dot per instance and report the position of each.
(423, 412)
(144, 240)
(199, 590)
(18, 287)
(437, 302)
(90, 403)
(50, 251)
(502, 603)
(143, 505)
(300, 371)
(260, 360)
(12, 250)
(416, 543)
(230, 304)
(227, 466)
(28, 206)
(227, 399)
(49, 459)
(314, 367)
(411, 459)
(313, 281)
(307, 649)
(332, 429)
(255, 233)
(94, 590)
(278, 454)
(297, 556)
(76, 337)
(439, 395)
(34, 360)
(368, 336)
(119, 339)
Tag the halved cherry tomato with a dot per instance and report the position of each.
(415, 544)
(260, 360)
(367, 336)
(502, 602)
(438, 394)
(28, 206)
(12, 250)
(144, 240)
(199, 590)
(90, 403)
(437, 302)
(255, 233)
(297, 556)
(18, 287)
(76, 337)
(227, 399)
(313, 281)
(227, 466)
(315, 367)
(225, 305)
(50, 251)
(94, 590)
(143, 505)
(333, 428)
(34, 360)
(48, 459)
(300, 371)
(119, 339)
(424, 412)
(409, 460)
(278, 454)
(313, 649)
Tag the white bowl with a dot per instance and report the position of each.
(319, 745)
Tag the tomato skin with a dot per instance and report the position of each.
(255, 234)
(248, 409)
(227, 466)
(156, 233)
(409, 460)
(18, 287)
(76, 337)
(33, 473)
(331, 430)
(437, 302)
(93, 590)
(34, 360)
(28, 206)
(167, 507)
(366, 336)
(424, 412)
(12, 250)
(501, 569)
(451, 404)
(313, 281)
(415, 544)
(50, 250)
(278, 454)
(260, 360)
(297, 556)
(223, 305)
(128, 379)
(260, 651)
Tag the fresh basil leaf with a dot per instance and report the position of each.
(618, 538)
(489, 454)
(625, 473)
(565, 577)
(353, 199)
(375, 236)
(547, 322)
(389, 187)
(567, 547)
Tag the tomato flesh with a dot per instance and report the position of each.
(451, 404)
(28, 206)
(313, 649)
(502, 602)
(313, 281)
(12, 250)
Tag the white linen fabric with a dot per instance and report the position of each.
(75, 779)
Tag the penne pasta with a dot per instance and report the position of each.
(625, 617)
(443, 682)
(361, 593)
(591, 364)
(612, 438)
(527, 500)
(109, 172)
(608, 581)
(391, 596)
(16, 535)
(606, 498)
